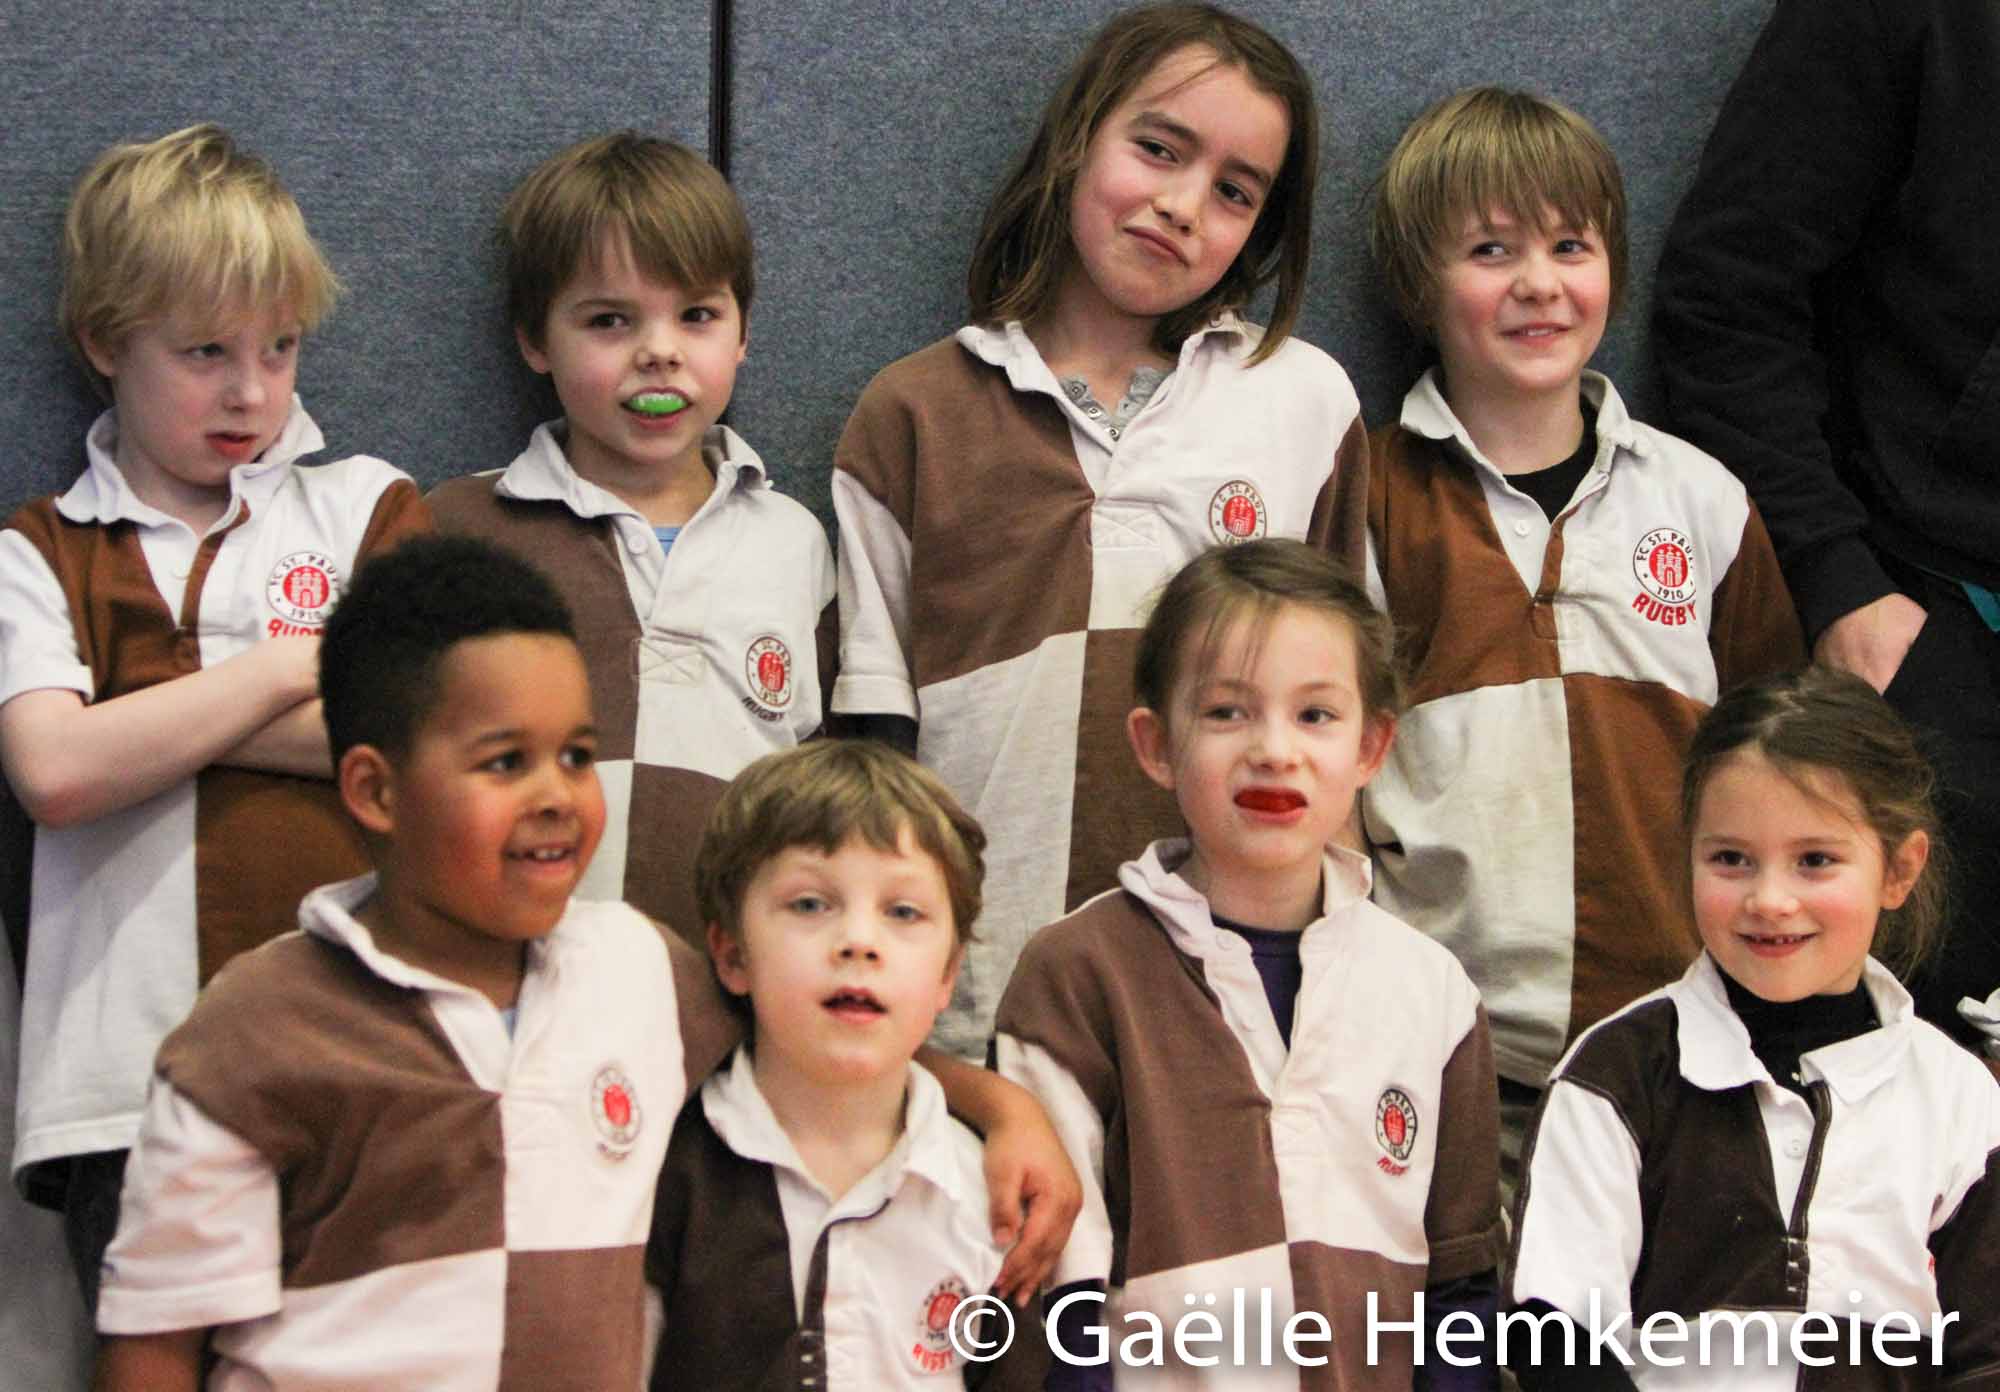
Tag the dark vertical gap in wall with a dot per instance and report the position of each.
(719, 16)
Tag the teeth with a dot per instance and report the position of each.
(547, 853)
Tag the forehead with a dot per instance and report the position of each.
(1289, 644)
(1196, 79)
(508, 681)
(1748, 793)
(1542, 217)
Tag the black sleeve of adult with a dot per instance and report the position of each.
(1812, 141)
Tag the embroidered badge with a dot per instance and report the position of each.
(301, 590)
(615, 1111)
(1663, 561)
(1395, 1130)
(932, 1351)
(1236, 512)
(767, 667)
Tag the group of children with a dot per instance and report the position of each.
(1301, 784)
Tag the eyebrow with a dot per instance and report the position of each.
(1160, 121)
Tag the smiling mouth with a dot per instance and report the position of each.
(1756, 941)
(544, 855)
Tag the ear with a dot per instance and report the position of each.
(531, 351)
(732, 966)
(367, 782)
(101, 355)
(950, 982)
(1376, 738)
(1146, 728)
(1900, 875)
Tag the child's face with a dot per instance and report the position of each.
(495, 808)
(1789, 880)
(617, 342)
(195, 401)
(1520, 309)
(1171, 186)
(1266, 748)
(847, 958)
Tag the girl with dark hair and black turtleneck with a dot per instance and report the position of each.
(1772, 1167)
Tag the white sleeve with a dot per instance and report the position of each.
(1580, 1224)
(198, 1241)
(38, 647)
(874, 590)
(1087, 1257)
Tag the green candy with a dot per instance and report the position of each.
(658, 403)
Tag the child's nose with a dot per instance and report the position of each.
(860, 937)
(1537, 277)
(1771, 897)
(660, 347)
(1178, 199)
(246, 386)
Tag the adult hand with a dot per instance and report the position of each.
(1872, 641)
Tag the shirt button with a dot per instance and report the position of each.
(1795, 1147)
(1114, 432)
(1521, 529)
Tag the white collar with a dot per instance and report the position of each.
(742, 1117)
(101, 495)
(1154, 878)
(1427, 413)
(1715, 1044)
(541, 473)
(1008, 347)
(329, 913)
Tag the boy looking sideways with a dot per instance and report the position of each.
(1571, 589)
(159, 627)
(820, 1215)
(702, 596)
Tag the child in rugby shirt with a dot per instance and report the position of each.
(414, 1144)
(703, 597)
(159, 625)
(821, 1220)
(1572, 588)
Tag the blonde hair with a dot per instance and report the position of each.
(1481, 150)
(819, 794)
(675, 212)
(189, 219)
(1024, 247)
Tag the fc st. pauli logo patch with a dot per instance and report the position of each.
(1663, 561)
(1395, 1130)
(932, 1351)
(301, 591)
(615, 1111)
(1236, 513)
(767, 670)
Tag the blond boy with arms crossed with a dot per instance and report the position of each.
(159, 625)
(702, 595)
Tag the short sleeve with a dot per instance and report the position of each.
(38, 647)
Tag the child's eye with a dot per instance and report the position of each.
(607, 319)
(1155, 148)
(503, 763)
(1222, 710)
(286, 346)
(1818, 860)
(1237, 194)
(579, 756)
(1318, 715)
(207, 352)
(1728, 860)
(806, 904)
(701, 314)
(1487, 251)
(1574, 246)
(906, 913)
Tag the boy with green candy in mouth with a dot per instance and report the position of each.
(701, 594)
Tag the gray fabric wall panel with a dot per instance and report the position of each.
(398, 126)
(866, 152)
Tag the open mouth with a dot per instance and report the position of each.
(853, 1001)
(1774, 942)
(545, 855)
(232, 444)
(1271, 800)
(657, 404)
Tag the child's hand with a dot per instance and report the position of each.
(1028, 1174)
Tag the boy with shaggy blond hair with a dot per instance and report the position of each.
(703, 596)
(1572, 588)
(159, 636)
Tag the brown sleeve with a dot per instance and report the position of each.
(826, 648)
(711, 1025)
(400, 512)
(1966, 1253)
(1754, 631)
(878, 445)
(1341, 512)
(1462, 1217)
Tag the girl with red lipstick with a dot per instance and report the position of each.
(1269, 1084)
(1007, 498)
(1777, 1131)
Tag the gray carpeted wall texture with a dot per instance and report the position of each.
(866, 136)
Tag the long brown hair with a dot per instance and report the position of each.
(1024, 247)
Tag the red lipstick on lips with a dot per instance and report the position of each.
(1271, 799)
